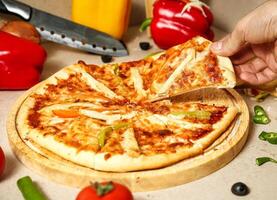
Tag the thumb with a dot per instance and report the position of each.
(230, 44)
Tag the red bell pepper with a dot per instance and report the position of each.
(21, 62)
(176, 21)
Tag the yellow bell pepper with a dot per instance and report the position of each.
(108, 16)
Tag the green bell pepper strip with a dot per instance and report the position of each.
(145, 24)
(120, 125)
(261, 119)
(199, 114)
(271, 137)
(154, 55)
(259, 111)
(261, 96)
(29, 189)
(261, 160)
(115, 68)
(102, 135)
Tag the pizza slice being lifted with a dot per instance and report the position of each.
(188, 67)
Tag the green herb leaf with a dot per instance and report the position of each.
(261, 160)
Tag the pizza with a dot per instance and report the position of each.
(108, 117)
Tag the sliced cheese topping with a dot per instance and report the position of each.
(138, 82)
(96, 85)
(49, 109)
(129, 143)
(108, 118)
(56, 120)
(181, 67)
(170, 120)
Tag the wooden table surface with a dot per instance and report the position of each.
(262, 180)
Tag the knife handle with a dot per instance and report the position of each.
(16, 8)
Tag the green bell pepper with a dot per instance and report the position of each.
(261, 160)
(271, 137)
(199, 114)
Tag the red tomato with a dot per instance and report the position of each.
(118, 192)
(2, 161)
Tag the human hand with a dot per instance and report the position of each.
(252, 45)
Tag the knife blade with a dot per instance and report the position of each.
(60, 30)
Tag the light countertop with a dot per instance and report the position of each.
(262, 180)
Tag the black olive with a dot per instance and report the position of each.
(144, 45)
(106, 58)
(240, 189)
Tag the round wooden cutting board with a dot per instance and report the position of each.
(222, 151)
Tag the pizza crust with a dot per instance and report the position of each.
(114, 164)
(226, 67)
(219, 128)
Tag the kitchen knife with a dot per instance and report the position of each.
(65, 32)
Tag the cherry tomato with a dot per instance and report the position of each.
(2, 161)
(105, 191)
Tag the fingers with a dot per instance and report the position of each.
(255, 72)
(254, 66)
(275, 51)
(244, 55)
(230, 44)
(262, 77)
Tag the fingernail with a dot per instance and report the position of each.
(217, 46)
